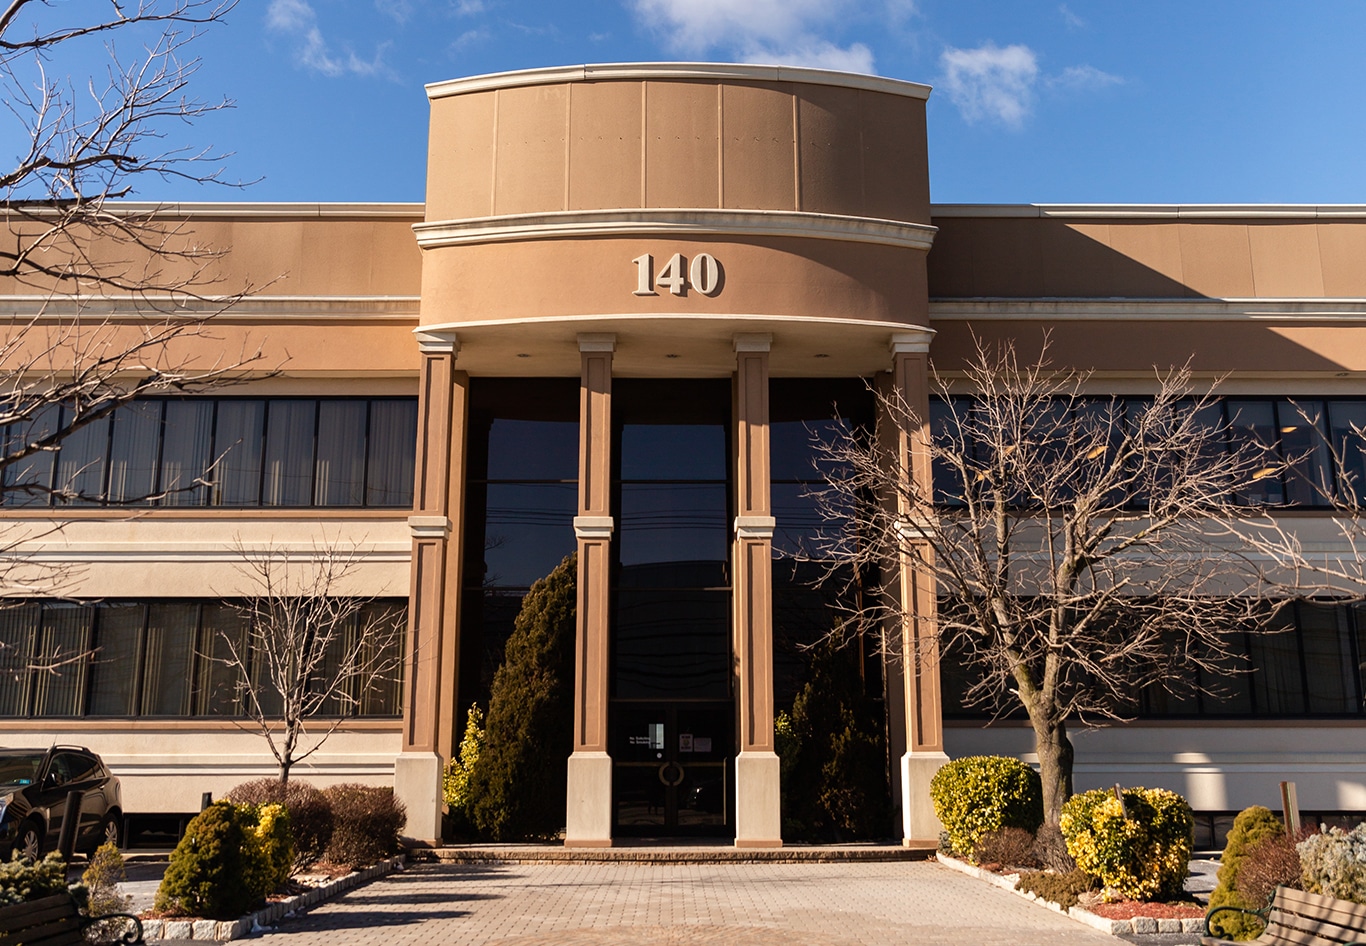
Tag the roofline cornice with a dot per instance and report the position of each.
(1155, 211)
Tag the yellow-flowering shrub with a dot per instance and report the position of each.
(1143, 856)
(273, 846)
(985, 793)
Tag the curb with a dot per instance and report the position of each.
(1141, 925)
(532, 854)
(222, 930)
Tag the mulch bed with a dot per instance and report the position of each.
(1158, 911)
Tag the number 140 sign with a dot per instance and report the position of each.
(677, 276)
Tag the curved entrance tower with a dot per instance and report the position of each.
(678, 240)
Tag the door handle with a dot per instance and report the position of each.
(671, 778)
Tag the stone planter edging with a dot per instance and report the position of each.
(1138, 924)
(221, 930)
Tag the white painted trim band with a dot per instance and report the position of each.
(1149, 310)
(563, 224)
(1154, 211)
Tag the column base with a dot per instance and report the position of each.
(918, 821)
(588, 809)
(758, 804)
(417, 784)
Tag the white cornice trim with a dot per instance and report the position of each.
(1155, 211)
(658, 317)
(254, 209)
(1149, 310)
(143, 308)
(598, 72)
(584, 223)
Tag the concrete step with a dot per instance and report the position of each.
(632, 852)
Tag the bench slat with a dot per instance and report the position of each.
(1321, 929)
(48, 908)
(1342, 912)
(66, 930)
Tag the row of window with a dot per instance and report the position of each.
(222, 452)
(159, 659)
(1319, 440)
(1315, 667)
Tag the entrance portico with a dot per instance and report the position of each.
(656, 231)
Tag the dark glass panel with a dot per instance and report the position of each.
(237, 448)
(185, 452)
(681, 522)
(222, 641)
(1277, 683)
(1304, 444)
(801, 529)
(80, 462)
(1253, 428)
(804, 611)
(638, 795)
(168, 658)
(945, 417)
(672, 644)
(339, 472)
(1228, 693)
(1328, 663)
(529, 528)
(290, 428)
(1347, 421)
(392, 453)
(114, 670)
(35, 470)
(533, 449)
(63, 640)
(18, 638)
(673, 452)
(1158, 702)
(133, 451)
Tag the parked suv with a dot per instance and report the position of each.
(34, 784)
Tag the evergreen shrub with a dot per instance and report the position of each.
(1334, 863)
(984, 793)
(455, 782)
(102, 877)
(516, 787)
(1144, 856)
(226, 862)
(366, 822)
(1063, 889)
(1251, 826)
(22, 880)
(310, 814)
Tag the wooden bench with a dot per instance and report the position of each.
(57, 921)
(1296, 918)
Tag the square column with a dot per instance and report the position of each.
(432, 651)
(919, 641)
(758, 809)
(588, 814)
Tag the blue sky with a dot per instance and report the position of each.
(1087, 101)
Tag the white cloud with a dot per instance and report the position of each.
(1084, 78)
(469, 38)
(775, 31)
(1071, 19)
(400, 11)
(991, 83)
(298, 19)
(469, 7)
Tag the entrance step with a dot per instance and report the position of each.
(654, 852)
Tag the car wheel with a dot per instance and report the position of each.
(109, 832)
(29, 844)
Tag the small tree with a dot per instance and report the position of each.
(517, 786)
(312, 652)
(1081, 546)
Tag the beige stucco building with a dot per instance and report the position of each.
(629, 290)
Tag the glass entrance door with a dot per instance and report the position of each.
(671, 768)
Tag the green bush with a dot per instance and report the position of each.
(102, 877)
(227, 862)
(984, 793)
(366, 824)
(1334, 863)
(834, 777)
(517, 786)
(455, 784)
(310, 815)
(1252, 826)
(1144, 856)
(22, 881)
(1063, 889)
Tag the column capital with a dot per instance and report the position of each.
(597, 341)
(755, 341)
(429, 527)
(755, 527)
(594, 527)
(437, 343)
(910, 343)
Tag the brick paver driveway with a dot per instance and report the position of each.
(668, 904)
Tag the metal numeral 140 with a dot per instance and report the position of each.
(703, 275)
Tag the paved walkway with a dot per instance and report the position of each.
(671, 905)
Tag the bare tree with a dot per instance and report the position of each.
(1081, 546)
(311, 652)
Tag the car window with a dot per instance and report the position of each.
(73, 767)
(20, 769)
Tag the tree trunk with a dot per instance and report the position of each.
(1055, 767)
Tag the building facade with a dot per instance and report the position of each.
(631, 293)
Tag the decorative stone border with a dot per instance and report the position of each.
(222, 930)
(1138, 924)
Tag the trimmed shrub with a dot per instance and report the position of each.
(310, 815)
(1334, 863)
(22, 881)
(102, 877)
(984, 793)
(1252, 826)
(517, 786)
(1009, 847)
(1270, 863)
(1063, 889)
(222, 866)
(1144, 856)
(455, 784)
(271, 845)
(834, 778)
(366, 824)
